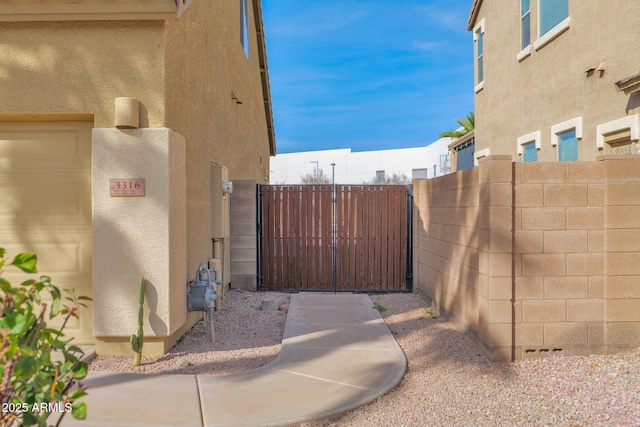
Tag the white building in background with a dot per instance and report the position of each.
(355, 168)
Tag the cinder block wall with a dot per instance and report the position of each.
(559, 258)
(622, 252)
(534, 259)
(244, 265)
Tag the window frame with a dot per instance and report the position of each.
(533, 137)
(629, 122)
(554, 32)
(244, 26)
(566, 126)
(525, 50)
(478, 40)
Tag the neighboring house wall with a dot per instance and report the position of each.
(540, 87)
(358, 167)
(203, 101)
(533, 259)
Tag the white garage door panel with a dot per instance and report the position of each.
(45, 199)
(45, 189)
(52, 146)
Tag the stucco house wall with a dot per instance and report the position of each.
(203, 102)
(533, 89)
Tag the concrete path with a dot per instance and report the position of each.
(337, 354)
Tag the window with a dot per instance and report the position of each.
(619, 136)
(565, 136)
(553, 20)
(525, 23)
(530, 152)
(528, 146)
(568, 146)
(552, 12)
(478, 37)
(244, 26)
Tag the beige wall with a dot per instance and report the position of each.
(183, 72)
(202, 71)
(81, 67)
(550, 86)
(534, 259)
(142, 236)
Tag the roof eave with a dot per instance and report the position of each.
(264, 74)
(474, 14)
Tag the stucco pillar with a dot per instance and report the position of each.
(140, 235)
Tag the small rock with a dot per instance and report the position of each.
(183, 363)
(271, 304)
(284, 307)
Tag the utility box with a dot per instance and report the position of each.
(220, 225)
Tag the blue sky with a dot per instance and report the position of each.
(367, 74)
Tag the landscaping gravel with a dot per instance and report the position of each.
(448, 381)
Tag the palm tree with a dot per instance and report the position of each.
(468, 124)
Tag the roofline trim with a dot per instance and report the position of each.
(264, 74)
(473, 14)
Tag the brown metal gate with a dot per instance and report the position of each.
(361, 242)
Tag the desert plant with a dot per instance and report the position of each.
(380, 308)
(138, 340)
(33, 384)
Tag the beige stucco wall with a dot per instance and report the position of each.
(202, 72)
(141, 236)
(551, 86)
(81, 67)
(183, 72)
(534, 259)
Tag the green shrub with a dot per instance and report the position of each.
(33, 385)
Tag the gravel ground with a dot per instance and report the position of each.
(448, 381)
(246, 338)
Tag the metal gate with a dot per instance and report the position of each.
(335, 238)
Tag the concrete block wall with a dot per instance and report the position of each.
(462, 250)
(534, 259)
(559, 258)
(622, 250)
(244, 265)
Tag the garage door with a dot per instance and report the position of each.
(45, 205)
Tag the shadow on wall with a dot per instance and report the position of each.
(456, 254)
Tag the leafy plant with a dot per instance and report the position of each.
(430, 312)
(33, 384)
(379, 308)
(138, 340)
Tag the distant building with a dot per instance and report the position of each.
(356, 168)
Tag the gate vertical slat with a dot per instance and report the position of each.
(303, 238)
(266, 244)
(402, 238)
(327, 241)
(316, 237)
(378, 236)
(397, 242)
(284, 233)
(353, 243)
(384, 238)
(340, 236)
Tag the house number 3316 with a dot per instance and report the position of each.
(123, 187)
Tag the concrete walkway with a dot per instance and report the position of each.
(337, 354)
